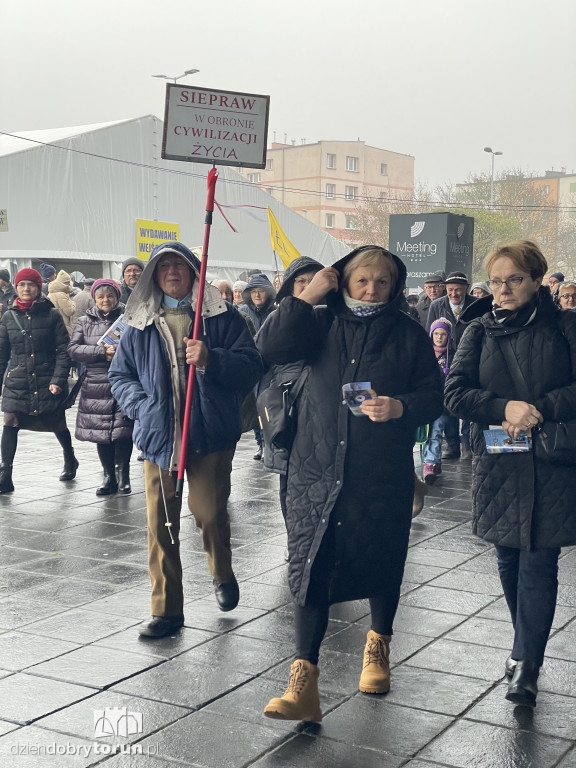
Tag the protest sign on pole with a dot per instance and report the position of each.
(204, 125)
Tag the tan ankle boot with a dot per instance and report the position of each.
(301, 700)
(375, 677)
(420, 490)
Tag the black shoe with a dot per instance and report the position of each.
(70, 466)
(109, 486)
(227, 595)
(141, 457)
(6, 484)
(258, 455)
(510, 666)
(465, 451)
(523, 687)
(452, 452)
(124, 479)
(160, 626)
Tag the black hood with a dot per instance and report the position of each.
(397, 298)
(295, 268)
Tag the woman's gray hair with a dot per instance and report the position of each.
(368, 257)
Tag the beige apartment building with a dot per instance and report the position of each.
(325, 181)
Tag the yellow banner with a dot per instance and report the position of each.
(280, 243)
(149, 234)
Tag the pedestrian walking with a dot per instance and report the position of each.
(149, 375)
(350, 480)
(100, 419)
(515, 368)
(34, 367)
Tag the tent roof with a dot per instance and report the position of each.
(78, 196)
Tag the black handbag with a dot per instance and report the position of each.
(553, 442)
(277, 414)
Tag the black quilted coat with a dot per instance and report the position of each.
(99, 419)
(518, 501)
(348, 473)
(30, 362)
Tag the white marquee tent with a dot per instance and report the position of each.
(72, 197)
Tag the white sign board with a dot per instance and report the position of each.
(204, 125)
(3, 220)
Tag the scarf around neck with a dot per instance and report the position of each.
(23, 305)
(362, 308)
(516, 317)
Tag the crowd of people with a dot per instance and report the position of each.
(372, 365)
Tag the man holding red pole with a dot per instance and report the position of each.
(149, 379)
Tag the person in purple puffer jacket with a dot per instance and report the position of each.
(441, 335)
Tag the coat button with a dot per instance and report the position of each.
(352, 361)
(323, 519)
(309, 560)
(337, 482)
(339, 523)
(341, 442)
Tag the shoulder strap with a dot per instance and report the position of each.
(19, 324)
(522, 386)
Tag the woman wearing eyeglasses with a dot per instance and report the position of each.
(515, 367)
(566, 296)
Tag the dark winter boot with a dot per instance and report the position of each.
(124, 478)
(6, 484)
(106, 456)
(70, 466)
(109, 486)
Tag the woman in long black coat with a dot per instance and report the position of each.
(515, 367)
(350, 480)
(34, 368)
(100, 419)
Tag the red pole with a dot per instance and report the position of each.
(212, 178)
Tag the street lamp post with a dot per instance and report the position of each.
(179, 77)
(489, 149)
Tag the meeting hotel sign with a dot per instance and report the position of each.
(211, 126)
(431, 242)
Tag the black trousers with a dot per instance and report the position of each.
(311, 620)
(530, 583)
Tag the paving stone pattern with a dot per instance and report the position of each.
(74, 587)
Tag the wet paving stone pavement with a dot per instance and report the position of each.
(79, 687)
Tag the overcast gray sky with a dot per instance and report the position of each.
(437, 79)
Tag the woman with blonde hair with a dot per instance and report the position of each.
(350, 478)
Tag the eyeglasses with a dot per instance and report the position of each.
(133, 271)
(511, 283)
(567, 296)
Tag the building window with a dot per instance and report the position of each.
(330, 161)
(270, 191)
(350, 222)
(383, 169)
(383, 194)
(352, 164)
(350, 193)
(270, 164)
(330, 190)
(545, 189)
(254, 178)
(330, 221)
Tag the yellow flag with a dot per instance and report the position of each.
(280, 242)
